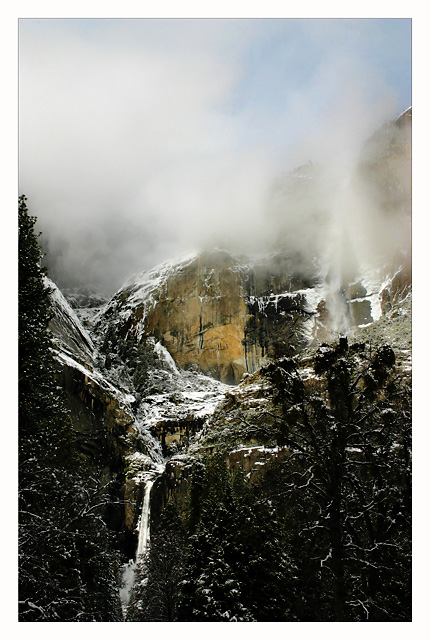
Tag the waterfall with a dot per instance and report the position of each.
(144, 522)
(129, 569)
(342, 255)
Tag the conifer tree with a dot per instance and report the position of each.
(345, 486)
(237, 569)
(43, 420)
(67, 570)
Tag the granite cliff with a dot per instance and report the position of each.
(216, 312)
(227, 315)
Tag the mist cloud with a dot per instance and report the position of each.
(142, 140)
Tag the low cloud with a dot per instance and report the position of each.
(144, 140)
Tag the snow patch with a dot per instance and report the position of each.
(97, 378)
(69, 326)
(165, 356)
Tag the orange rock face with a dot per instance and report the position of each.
(201, 315)
(214, 313)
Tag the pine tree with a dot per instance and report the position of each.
(67, 568)
(237, 568)
(43, 420)
(154, 597)
(345, 488)
(261, 561)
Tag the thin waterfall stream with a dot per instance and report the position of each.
(129, 569)
(144, 522)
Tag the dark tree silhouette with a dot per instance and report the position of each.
(67, 567)
(345, 486)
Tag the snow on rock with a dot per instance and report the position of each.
(165, 356)
(66, 326)
(142, 290)
(215, 311)
(94, 376)
(190, 395)
(309, 298)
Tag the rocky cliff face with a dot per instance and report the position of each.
(217, 312)
(129, 415)
(247, 427)
(386, 162)
(226, 315)
(385, 167)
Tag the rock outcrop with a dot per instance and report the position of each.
(225, 316)
(134, 386)
(217, 312)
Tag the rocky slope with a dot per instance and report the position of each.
(137, 412)
(167, 427)
(245, 428)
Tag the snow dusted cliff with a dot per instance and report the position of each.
(147, 424)
(225, 315)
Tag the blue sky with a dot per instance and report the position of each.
(140, 139)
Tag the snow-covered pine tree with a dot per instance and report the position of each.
(345, 488)
(67, 569)
(44, 424)
(237, 569)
